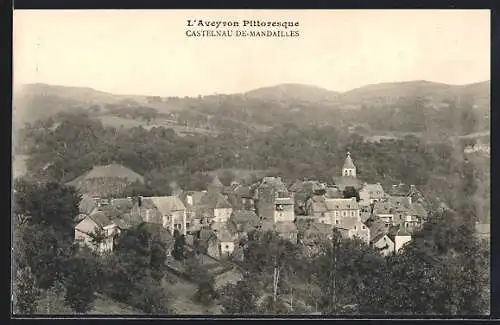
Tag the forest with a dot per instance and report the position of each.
(63, 148)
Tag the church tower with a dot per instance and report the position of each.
(348, 169)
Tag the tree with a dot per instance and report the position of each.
(26, 292)
(97, 237)
(204, 279)
(239, 298)
(269, 259)
(178, 251)
(48, 204)
(346, 271)
(79, 284)
(350, 192)
(150, 296)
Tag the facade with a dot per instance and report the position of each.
(400, 239)
(273, 201)
(214, 207)
(90, 225)
(284, 210)
(172, 210)
(384, 244)
(353, 227)
(371, 193)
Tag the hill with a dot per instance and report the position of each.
(385, 94)
(413, 106)
(293, 93)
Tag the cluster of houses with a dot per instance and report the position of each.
(220, 216)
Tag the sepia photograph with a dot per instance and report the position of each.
(250, 163)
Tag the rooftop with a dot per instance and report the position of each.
(348, 163)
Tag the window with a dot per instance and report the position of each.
(227, 246)
(355, 228)
(344, 213)
(348, 206)
(187, 224)
(363, 227)
(352, 213)
(336, 222)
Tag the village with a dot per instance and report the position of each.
(221, 216)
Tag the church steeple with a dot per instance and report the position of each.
(349, 169)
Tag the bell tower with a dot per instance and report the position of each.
(349, 169)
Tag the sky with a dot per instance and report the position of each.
(147, 52)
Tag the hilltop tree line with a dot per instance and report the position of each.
(65, 150)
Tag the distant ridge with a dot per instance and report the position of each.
(293, 92)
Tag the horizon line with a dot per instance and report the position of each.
(247, 91)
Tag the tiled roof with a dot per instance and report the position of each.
(364, 216)
(342, 204)
(399, 201)
(127, 221)
(275, 183)
(333, 193)
(216, 182)
(244, 217)
(214, 200)
(167, 204)
(346, 181)
(101, 219)
(383, 207)
(418, 210)
(379, 237)
(373, 190)
(319, 228)
(87, 204)
(348, 162)
(110, 171)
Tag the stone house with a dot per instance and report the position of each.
(401, 237)
(352, 227)
(332, 211)
(172, 210)
(384, 244)
(108, 225)
(242, 222)
(384, 211)
(284, 210)
(371, 193)
(214, 207)
(270, 189)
